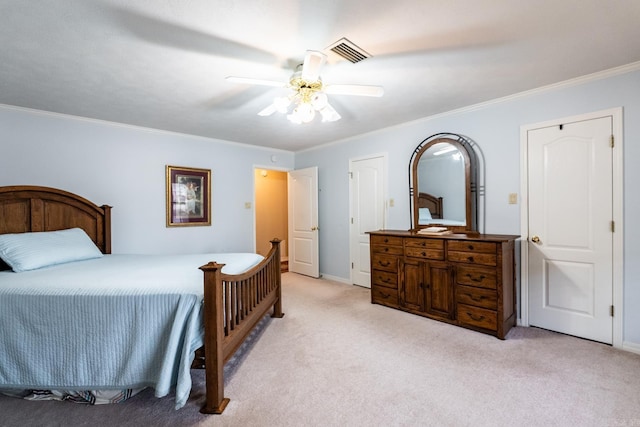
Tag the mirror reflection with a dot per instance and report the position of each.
(441, 186)
(443, 175)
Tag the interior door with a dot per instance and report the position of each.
(367, 209)
(303, 222)
(570, 244)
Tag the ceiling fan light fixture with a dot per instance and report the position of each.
(319, 100)
(305, 112)
(308, 92)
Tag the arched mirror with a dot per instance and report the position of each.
(443, 176)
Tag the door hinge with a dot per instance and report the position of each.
(351, 220)
(612, 142)
(351, 175)
(613, 226)
(611, 311)
(351, 265)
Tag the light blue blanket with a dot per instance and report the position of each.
(116, 322)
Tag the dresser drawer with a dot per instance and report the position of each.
(424, 253)
(471, 246)
(384, 278)
(382, 295)
(478, 317)
(476, 276)
(385, 240)
(424, 248)
(472, 257)
(424, 243)
(477, 297)
(384, 262)
(391, 250)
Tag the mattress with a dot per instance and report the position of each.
(111, 323)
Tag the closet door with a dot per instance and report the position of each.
(303, 222)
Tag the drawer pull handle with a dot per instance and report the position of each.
(424, 254)
(386, 249)
(470, 247)
(384, 280)
(476, 299)
(470, 259)
(476, 318)
(386, 240)
(385, 296)
(474, 279)
(384, 264)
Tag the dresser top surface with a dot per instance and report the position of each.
(451, 236)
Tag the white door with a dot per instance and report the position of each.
(570, 242)
(367, 208)
(303, 222)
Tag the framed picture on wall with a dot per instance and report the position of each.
(188, 196)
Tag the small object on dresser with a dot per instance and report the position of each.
(434, 230)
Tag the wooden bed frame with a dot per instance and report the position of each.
(233, 304)
(426, 200)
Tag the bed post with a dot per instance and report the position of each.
(213, 339)
(106, 231)
(277, 307)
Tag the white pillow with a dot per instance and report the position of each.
(424, 214)
(30, 251)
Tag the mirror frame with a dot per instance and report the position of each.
(469, 152)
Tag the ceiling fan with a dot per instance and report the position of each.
(309, 94)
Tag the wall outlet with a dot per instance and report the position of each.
(247, 205)
(392, 203)
(513, 198)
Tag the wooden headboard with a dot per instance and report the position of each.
(27, 208)
(426, 200)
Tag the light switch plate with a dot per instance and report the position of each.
(513, 198)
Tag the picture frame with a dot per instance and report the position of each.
(188, 196)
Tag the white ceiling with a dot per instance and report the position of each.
(162, 63)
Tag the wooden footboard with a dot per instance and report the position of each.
(233, 306)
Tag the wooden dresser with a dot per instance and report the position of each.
(463, 279)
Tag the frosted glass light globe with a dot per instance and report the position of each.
(319, 100)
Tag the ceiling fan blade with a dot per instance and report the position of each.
(250, 81)
(313, 62)
(358, 90)
(168, 33)
(268, 111)
(329, 114)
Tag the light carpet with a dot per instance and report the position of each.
(337, 360)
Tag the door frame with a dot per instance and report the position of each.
(385, 167)
(253, 201)
(617, 204)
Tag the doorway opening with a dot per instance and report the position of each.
(271, 212)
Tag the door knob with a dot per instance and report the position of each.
(315, 228)
(535, 239)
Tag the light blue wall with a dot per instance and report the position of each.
(496, 129)
(124, 167)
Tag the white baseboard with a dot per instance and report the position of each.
(335, 278)
(633, 347)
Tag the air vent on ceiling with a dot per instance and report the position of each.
(349, 51)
